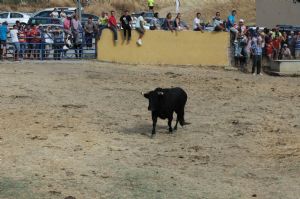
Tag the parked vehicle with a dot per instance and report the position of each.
(48, 11)
(46, 21)
(84, 16)
(12, 17)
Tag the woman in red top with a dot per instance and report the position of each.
(35, 36)
(276, 46)
(269, 50)
(112, 24)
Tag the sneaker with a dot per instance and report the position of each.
(253, 74)
(260, 74)
(139, 42)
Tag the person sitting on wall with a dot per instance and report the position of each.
(177, 23)
(154, 23)
(168, 25)
(231, 20)
(139, 27)
(197, 23)
(218, 23)
(113, 26)
(103, 23)
(126, 25)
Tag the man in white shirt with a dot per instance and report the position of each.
(15, 41)
(177, 4)
(54, 14)
(139, 27)
(197, 23)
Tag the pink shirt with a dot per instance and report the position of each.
(67, 24)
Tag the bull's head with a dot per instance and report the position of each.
(154, 99)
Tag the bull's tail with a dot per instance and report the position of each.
(181, 120)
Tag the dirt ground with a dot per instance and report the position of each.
(82, 130)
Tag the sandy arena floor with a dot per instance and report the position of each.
(82, 130)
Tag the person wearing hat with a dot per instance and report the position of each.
(286, 52)
(3, 39)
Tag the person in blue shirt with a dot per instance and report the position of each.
(3, 39)
(231, 19)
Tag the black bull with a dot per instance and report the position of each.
(163, 103)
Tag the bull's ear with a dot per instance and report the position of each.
(160, 93)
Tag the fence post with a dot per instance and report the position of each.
(42, 45)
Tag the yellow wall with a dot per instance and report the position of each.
(163, 47)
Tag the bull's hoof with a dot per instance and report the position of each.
(170, 130)
(153, 135)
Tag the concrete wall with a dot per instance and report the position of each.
(270, 13)
(162, 47)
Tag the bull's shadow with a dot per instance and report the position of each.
(146, 129)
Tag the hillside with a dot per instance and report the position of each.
(246, 8)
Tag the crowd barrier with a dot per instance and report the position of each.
(52, 50)
(167, 48)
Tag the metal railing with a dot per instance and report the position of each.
(51, 48)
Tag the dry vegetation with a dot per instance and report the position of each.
(246, 8)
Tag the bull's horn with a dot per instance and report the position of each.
(142, 93)
(160, 93)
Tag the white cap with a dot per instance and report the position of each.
(242, 20)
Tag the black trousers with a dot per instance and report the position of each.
(125, 31)
(256, 60)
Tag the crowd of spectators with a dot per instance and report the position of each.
(36, 41)
(248, 43)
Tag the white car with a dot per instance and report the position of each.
(12, 17)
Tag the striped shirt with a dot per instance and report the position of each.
(297, 45)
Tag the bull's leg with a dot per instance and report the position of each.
(170, 124)
(175, 127)
(154, 120)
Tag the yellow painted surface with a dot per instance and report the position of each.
(164, 47)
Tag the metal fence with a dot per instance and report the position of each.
(51, 47)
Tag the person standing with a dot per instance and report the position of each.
(15, 41)
(256, 50)
(3, 39)
(139, 27)
(77, 35)
(151, 5)
(90, 28)
(297, 46)
(23, 42)
(126, 25)
(113, 26)
(177, 4)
